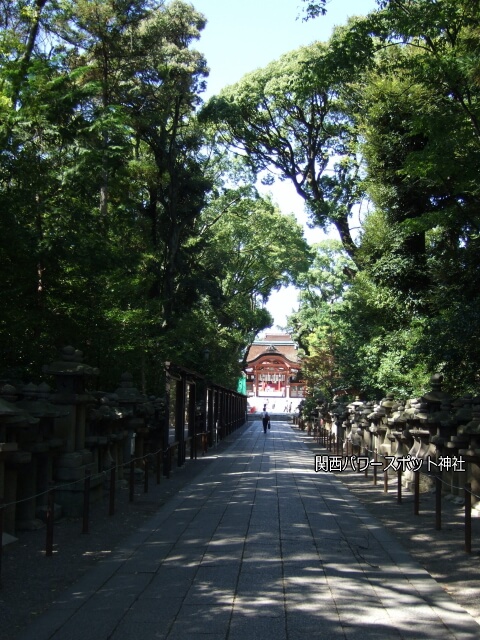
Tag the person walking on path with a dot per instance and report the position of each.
(265, 421)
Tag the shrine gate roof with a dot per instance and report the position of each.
(271, 344)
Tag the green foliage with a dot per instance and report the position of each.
(130, 230)
(412, 307)
(121, 233)
(249, 249)
(314, 8)
(293, 119)
(315, 324)
(420, 245)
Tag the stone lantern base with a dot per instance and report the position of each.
(70, 471)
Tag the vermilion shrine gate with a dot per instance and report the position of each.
(273, 369)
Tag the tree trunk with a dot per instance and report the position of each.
(25, 59)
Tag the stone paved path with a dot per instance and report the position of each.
(258, 546)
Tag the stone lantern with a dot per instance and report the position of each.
(18, 427)
(397, 422)
(439, 421)
(106, 432)
(354, 424)
(71, 375)
(36, 477)
(130, 399)
(8, 484)
(472, 428)
(157, 420)
(417, 417)
(377, 428)
(462, 409)
(472, 453)
(365, 425)
(387, 407)
(339, 415)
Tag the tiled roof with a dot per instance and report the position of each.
(272, 343)
(287, 350)
(275, 337)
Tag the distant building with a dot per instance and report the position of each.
(273, 370)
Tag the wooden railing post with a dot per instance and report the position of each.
(2, 508)
(438, 502)
(49, 517)
(158, 465)
(399, 484)
(468, 517)
(416, 500)
(111, 502)
(131, 480)
(86, 501)
(145, 476)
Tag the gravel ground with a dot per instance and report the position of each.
(30, 581)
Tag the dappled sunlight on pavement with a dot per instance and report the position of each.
(259, 546)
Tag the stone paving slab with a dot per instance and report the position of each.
(258, 545)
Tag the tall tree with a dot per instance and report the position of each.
(425, 84)
(160, 104)
(244, 249)
(293, 118)
(424, 181)
(315, 325)
(114, 92)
